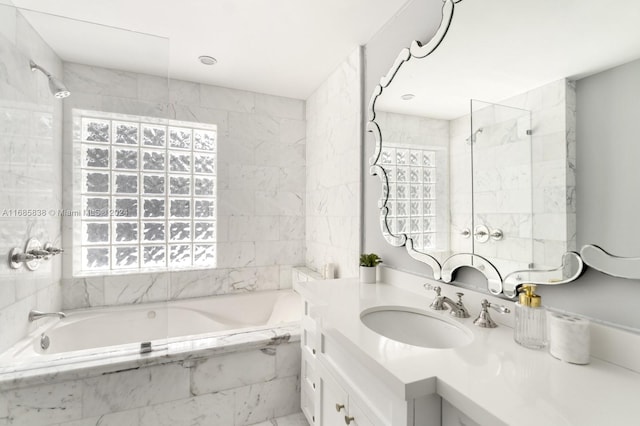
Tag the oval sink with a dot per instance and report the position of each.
(414, 327)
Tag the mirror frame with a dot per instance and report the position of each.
(418, 51)
(572, 264)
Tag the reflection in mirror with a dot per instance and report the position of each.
(508, 192)
(415, 161)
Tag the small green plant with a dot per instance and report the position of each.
(369, 260)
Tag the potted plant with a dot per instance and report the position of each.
(368, 263)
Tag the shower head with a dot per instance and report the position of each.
(472, 138)
(57, 87)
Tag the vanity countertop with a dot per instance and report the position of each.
(493, 379)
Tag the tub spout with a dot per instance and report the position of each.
(36, 315)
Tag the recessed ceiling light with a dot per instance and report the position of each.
(407, 96)
(208, 60)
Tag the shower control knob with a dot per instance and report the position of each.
(466, 233)
(497, 234)
(481, 233)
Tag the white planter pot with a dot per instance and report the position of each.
(368, 274)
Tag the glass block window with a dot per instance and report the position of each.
(147, 193)
(411, 193)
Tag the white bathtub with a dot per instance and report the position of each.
(100, 333)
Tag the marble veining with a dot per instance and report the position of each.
(197, 379)
(332, 179)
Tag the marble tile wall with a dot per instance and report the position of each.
(239, 388)
(261, 184)
(553, 153)
(525, 202)
(30, 173)
(333, 170)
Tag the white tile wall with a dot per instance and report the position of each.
(261, 184)
(551, 199)
(333, 171)
(30, 172)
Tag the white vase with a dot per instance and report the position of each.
(368, 274)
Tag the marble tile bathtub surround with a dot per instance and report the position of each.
(333, 172)
(203, 391)
(30, 173)
(260, 185)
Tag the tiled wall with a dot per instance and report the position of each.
(553, 155)
(30, 172)
(238, 388)
(530, 194)
(333, 174)
(261, 184)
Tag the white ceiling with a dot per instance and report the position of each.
(496, 49)
(281, 47)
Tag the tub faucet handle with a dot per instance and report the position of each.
(53, 250)
(39, 253)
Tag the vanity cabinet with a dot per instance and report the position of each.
(309, 344)
(336, 406)
(338, 389)
(451, 416)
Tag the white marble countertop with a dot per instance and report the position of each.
(493, 380)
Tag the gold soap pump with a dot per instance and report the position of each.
(531, 319)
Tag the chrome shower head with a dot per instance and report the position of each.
(57, 87)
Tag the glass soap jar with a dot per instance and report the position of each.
(530, 328)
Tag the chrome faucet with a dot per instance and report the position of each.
(36, 315)
(440, 303)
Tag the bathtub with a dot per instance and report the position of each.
(176, 330)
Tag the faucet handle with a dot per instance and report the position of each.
(437, 304)
(484, 319)
(52, 250)
(39, 253)
(435, 288)
(499, 308)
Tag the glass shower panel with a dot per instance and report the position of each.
(81, 161)
(502, 185)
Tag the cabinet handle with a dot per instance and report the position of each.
(348, 419)
(313, 351)
(314, 385)
(339, 407)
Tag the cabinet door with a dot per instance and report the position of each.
(333, 402)
(451, 416)
(357, 416)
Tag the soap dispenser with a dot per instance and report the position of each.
(531, 319)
